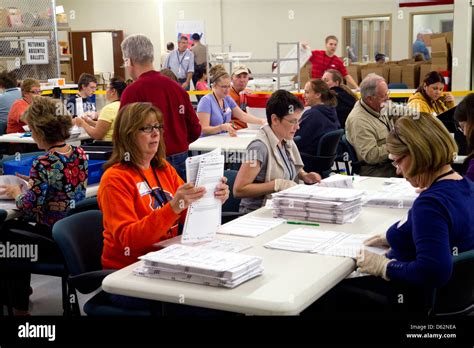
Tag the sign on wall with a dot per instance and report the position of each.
(36, 51)
(188, 28)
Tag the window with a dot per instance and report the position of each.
(364, 37)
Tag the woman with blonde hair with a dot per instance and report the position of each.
(216, 109)
(420, 246)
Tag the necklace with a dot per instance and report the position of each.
(443, 175)
(59, 146)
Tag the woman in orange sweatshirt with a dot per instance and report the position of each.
(141, 196)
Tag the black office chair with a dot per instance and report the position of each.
(397, 86)
(230, 209)
(456, 297)
(349, 157)
(90, 203)
(326, 154)
(80, 239)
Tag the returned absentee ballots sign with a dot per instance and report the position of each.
(36, 51)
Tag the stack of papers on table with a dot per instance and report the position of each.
(200, 266)
(249, 226)
(396, 193)
(216, 244)
(323, 242)
(319, 204)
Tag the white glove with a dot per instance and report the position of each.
(373, 263)
(282, 184)
(379, 240)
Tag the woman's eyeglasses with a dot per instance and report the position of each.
(396, 163)
(149, 129)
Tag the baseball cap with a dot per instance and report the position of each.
(239, 69)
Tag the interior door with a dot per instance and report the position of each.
(83, 61)
(117, 38)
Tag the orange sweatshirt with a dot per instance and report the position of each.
(133, 218)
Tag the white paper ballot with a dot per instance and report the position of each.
(338, 180)
(323, 242)
(79, 107)
(216, 244)
(204, 216)
(249, 226)
(192, 164)
(396, 193)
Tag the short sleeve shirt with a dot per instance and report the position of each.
(109, 114)
(322, 62)
(208, 104)
(180, 63)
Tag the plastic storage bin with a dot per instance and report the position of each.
(23, 166)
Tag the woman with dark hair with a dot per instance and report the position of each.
(11, 93)
(142, 197)
(102, 129)
(320, 118)
(83, 103)
(464, 115)
(429, 97)
(346, 99)
(274, 163)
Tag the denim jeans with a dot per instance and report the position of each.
(178, 161)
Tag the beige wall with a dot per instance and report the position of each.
(254, 25)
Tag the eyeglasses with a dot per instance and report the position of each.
(149, 129)
(293, 122)
(396, 163)
(35, 92)
(224, 87)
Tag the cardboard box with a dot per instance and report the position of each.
(439, 44)
(449, 37)
(4, 17)
(369, 70)
(66, 72)
(411, 75)
(424, 70)
(386, 72)
(439, 58)
(355, 72)
(439, 67)
(305, 74)
(395, 75)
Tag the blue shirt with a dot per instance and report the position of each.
(420, 47)
(218, 116)
(180, 63)
(314, 123)
(440, 222)
(6, 101)
(88, 104)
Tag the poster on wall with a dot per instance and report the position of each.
(36, 51)
(188, 28)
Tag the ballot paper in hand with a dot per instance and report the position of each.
(204, 216)
(192, 164)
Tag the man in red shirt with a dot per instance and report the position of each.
(325, 60)
(181, 124)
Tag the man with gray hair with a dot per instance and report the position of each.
(181, 124)
(367, 128)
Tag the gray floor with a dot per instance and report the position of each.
(46, 298)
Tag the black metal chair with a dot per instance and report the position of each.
(326, 154)
(230, 209)
(349, 157)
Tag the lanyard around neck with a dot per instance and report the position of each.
(377, 117)
(219, 105)
(152, 192)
